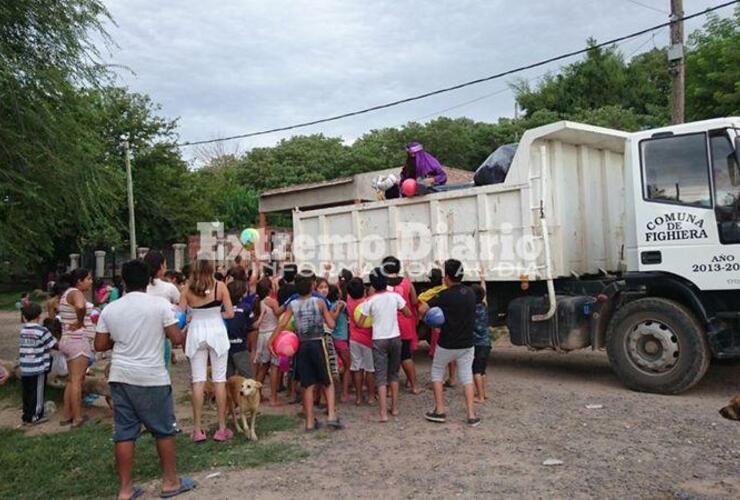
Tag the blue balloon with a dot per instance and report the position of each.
(434, 317)
(246, 237)
(182, 318)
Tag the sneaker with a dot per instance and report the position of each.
(39, 421)
(473, 422)
(433, 416)
(223, 435)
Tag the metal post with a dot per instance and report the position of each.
(675, 56)
(99, 263)
(130, 189)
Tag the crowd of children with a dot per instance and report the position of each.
(361, 336)
(358, 336)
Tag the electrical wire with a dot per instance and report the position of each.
(656, 9)
(458, 86)
(529, 80)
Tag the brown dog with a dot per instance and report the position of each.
(732, 410)
(244, 393)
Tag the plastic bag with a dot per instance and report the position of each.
(58, 365)
(494, 169)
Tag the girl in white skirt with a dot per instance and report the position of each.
(209, 304)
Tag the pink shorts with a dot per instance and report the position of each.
(74, 348)
(341, 345)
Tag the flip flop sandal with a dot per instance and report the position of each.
(85, 420)
(316, 426)
(335, 424)
(138, 492)
(186, 484)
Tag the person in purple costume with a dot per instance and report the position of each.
(421, 166)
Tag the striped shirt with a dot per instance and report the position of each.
(35, 349)
(68, 317)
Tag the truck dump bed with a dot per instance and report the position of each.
(571, 174)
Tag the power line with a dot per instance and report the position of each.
(460, 85)
(528, 80)
(656, 9)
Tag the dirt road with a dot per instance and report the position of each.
(636, 445)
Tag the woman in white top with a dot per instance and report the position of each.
(157, 286)
(207, 338)
(160, 288)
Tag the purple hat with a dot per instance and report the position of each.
(414, 147)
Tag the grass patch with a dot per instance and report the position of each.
(8, 300)
(79, 463)
(10, 394)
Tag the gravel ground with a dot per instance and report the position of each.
(635, 446)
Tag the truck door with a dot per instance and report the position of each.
(687, 220)
(726, 183)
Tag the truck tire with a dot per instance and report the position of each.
(657, 345)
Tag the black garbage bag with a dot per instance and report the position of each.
(494, 169)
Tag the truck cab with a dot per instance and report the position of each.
(685, 183)
(679, 304)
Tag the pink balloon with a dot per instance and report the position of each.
(286, 344)
(408, 188)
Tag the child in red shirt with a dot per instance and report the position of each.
(360, 344)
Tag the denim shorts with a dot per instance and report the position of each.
(134, 405)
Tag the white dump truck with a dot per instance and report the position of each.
(628, 242)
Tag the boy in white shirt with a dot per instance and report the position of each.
(383, 307)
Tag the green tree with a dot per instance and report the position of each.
(713, 69)
(298, 160)
(598, 80)
(51, 189)
(223, 196)
(163, 187)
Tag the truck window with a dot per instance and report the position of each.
(675, 170)
(726, 187)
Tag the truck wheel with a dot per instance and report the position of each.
(657, 345)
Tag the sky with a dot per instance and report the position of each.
(234, 66)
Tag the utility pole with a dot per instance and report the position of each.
(675, 57)
(130, 189)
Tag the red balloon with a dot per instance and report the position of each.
(408, 188)
(286, 344)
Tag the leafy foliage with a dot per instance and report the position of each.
(51, 188)
(713, 69)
